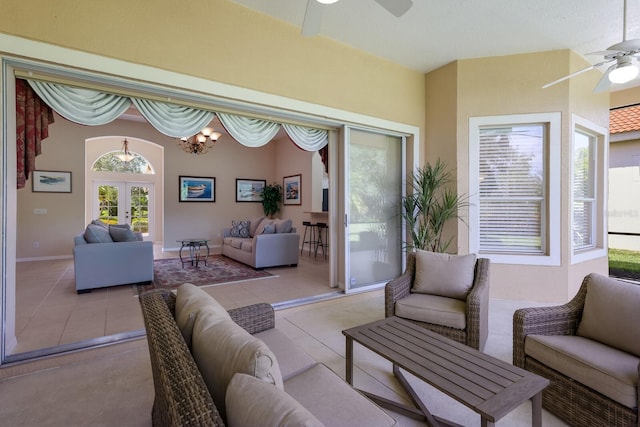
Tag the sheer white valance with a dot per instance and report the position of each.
(92, 107)
(309, 139)
(172, 119)
(249, 131)
(84, 106)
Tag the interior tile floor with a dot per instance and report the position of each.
(50, 313)
(113, 385)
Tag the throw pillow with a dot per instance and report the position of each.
(283, 225)
(100, 223)
(122, 233)
(269, 229)
(611, 313)
(263, 225)
(223, 349)
(251, 402)
(445, 275)
(254, 223)
(239, 228)
(190, 301)
(97, 234)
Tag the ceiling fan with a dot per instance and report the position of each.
(623, 53)
(313, 14)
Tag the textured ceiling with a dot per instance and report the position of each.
(435, 32)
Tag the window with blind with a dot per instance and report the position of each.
(512, 189)
(584, 190)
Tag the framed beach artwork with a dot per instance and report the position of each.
(249, 190)
(51, 182)
(197, 189)
(292, 189)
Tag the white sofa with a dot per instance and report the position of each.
(262, 242)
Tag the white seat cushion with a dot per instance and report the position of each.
(433, 309)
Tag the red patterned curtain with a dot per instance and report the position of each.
(33, 117)
(324, 155)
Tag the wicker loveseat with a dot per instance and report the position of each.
(183, 373)
(589, 349)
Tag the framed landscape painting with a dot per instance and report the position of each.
(51, 182)
(197, 189)
(249, 190)
(292, 188)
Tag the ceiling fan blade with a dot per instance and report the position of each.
(396, 7)
(604, 84)
(312, 19)
(584, 70)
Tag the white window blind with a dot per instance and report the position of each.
(584, 192)
(512, 186)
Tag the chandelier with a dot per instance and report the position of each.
(125, 155)
(200, 143)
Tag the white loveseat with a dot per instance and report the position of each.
(262, 242)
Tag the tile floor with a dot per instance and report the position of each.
(50, 313)
(112, 386)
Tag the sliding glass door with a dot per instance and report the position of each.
(373, 165)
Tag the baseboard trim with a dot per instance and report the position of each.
(44, 258)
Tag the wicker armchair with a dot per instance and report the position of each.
(571, 401)
(476, 330)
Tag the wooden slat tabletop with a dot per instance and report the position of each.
(485, 384)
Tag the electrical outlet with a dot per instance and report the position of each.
(39, 211)
(36, 245)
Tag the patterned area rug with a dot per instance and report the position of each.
(169, 274)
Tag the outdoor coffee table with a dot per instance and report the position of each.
(489, 386)
(195, 246)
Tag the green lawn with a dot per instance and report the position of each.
(620, 259)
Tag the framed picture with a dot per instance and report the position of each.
(51, 182)
(249, 190)
(292, 189)
(197, 189)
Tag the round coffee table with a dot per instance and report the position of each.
(195, 255)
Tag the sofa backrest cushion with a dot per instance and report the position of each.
(240, 229)
(190, 300)
(253, 224)
(251, 402)
(222, 349)
(283, 225)
(122, 233)
(444, 274)
(611, 313)
(97, 234)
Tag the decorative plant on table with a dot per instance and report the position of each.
(271, 199)
(431, 202)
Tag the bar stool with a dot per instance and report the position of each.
(322, 241)
(312, 242)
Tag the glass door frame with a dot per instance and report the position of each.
(344, 214)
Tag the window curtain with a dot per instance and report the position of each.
(33, 117)
(309, 139)
(249, 131)
(84, 106)
(172, 119)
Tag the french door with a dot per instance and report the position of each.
(373, 165)
(125, 203)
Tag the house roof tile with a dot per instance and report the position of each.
(625, 119)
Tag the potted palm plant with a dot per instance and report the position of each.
(271, 199)
(430, 203)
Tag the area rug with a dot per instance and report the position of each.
(169, 273)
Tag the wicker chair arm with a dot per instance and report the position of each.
(399, 287)
(477, 313)
(555, 320)
(254, 318)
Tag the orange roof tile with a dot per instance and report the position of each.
(626, 119)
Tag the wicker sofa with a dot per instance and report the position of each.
(589, 349)
(183, 373)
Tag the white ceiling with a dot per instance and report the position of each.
(435, 32)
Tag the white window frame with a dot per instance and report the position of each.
(601, 156)
(552, 219)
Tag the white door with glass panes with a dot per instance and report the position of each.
(125, 203)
